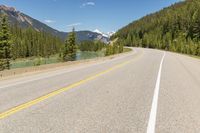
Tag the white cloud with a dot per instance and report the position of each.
(90, 3)
(74, 24)
(49, 21)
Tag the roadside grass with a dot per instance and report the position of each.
(83, 55)
(127, 50)
(34, 61)
(197, 57)
(37, 61)
(188, 55)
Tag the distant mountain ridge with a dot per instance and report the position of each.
(25, 21)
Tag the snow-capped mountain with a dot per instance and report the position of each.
(109, 34)
(98, 31)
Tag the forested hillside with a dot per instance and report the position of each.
(176, 28)
(29, 42)
(17, 42)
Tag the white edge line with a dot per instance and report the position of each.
(152, 118)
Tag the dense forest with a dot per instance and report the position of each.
(176, 28)
(114, 48)
(91, 45)
(5, 45)
(16, 42)
(29, 42)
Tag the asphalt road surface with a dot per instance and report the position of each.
(144, 91)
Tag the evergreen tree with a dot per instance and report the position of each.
(107, 51)
(121, 48)
(91, 46)
(69, 53)
(29, 42)
(5, 45)
(1, 53)
(196, 25)
(26, 42)
(114, 49)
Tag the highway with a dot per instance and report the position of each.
(143, 91)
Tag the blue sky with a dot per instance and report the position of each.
(105, 15)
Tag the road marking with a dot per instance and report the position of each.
(47, 75)
(54, 93)
(152, 119)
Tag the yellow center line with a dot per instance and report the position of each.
(54, 93)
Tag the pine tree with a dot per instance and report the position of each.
(5, 45)
(70, 49)
(107, 51)
(121, 48)
(28, 43)
(1, 53)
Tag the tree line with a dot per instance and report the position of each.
(17, 42)
(29, 42)
(114, 48)
(88, 45)
(5, 45)
(176, 28)
(110, 49)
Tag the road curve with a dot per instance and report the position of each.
(144, 89)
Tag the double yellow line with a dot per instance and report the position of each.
(54, 93)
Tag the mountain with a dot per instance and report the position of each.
(102, 36)
(25, 21)
(107, 35)
(175, 28)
